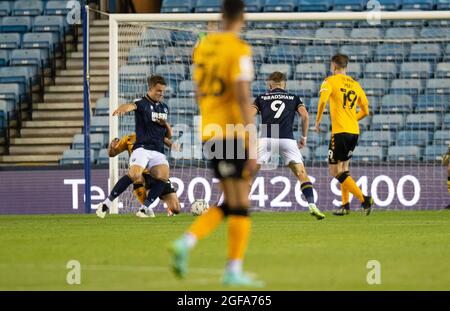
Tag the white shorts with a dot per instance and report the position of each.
(287, 148)
(147, 158)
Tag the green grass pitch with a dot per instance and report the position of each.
(289, 251)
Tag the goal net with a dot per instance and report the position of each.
(401, 59)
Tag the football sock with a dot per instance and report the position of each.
(347, 181)
(155, 192)
(207, 222)
(238, 234)
(307, 189)
(345, 193)
(234, 266)
(139, 193)
(121, 185)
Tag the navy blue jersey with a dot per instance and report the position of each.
(149, 134)
(278, 107)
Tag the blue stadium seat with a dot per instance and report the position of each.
(134, 73)
(374, 103)
(57, 8)
(5, 8)
(432, 103)
(144, 55)
(321, 154)
(368, 154)
(391, 52)
(383, 70)
(419, 70)
(408, 23)
(403, 153)
(417, 4)
(366, 33)
(16, 24)
(177, 55)
(284, 54)
(311, 104)
(10, 91)
(314, 5)
(390, 5)
(295, 36)
(406, 86)
(6, 106)
(329, 35)
(266, 69)
(302, 88)
(392, 122)
(314, 71)
(278, 26)
(253, 6)
(184, 38)
(442, 5)
(72, 156)
(305, 24)
(375, 87)
(438, 86)
(434, 153)
(377, 138)
(172, 72)
(349, 5)
(10, 41)
(393, 103)
(401, 33)
(446, 123)
(354, 70)
(156, 37)
(280, 5)
(49, 24)
(318, 53)
(183, 106)
(425, 52)
(441, 137)
(100, 124)
(103, 157)
(356, 52)
(325, 123)
(97, 141)
(35, 57)
(186, 89)
(339, 24)
(40, 40)
(260, 37)
(259, 87)
(4, 57)
(314, 139)
(208, 6)
(446, 56)
(27, 7)
(443, 70)
(177, 6)
(102, 107)
(414, 138)
(26, 76)
(435, 32)
(424, 121)
(259, 54)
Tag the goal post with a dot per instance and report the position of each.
(126, 31)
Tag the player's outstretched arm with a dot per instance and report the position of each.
(123, 109)
(363, 104)
(305, 125)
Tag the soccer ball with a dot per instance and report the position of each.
(199, 207)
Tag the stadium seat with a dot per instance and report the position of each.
(354, 70)
(446, 123)
(408, 23)
(97, 141)
(134, 73)
(318, 53)
(184, 38)
(266, 69)
(443, 5)
(443, 70)
(339, 24)
(10, 41)
(377, 138)
(284, 54)
(441, 137)
(401, 33)
(26, 7)
(312, 25)
(100, 124)
(16, 24)
(374, 104)
(314, 139)
(103, 157)
(321, 154)
(177, 6)
(403, 153)
(259, 87)
(434, 152)
(435, 32)
(314, 71)
(260, 37)
(156, 37)
(414, 138)
(406, 86)
(57, 8)
(172, 72)
(446, 56)
(311, 104)
(368, 154)
(392, 122)
(177, 55)
(280, 5)
(35, 57)
(394, 103)
(40, 40)
(349, 5)
(330, 35)
(253, 6)
(425, 52)
(186, 89)
(295, 37)
(432, 103)
(314, 5)
(375, 87)
(417, 70)
(380, 70)
(4, 57)
(183, 106)
(325, 123)
(438, 86)
(390, 5)
(49, 23)
(366, 33)
(144, 55)
(24, 75)
(302, 88)
(417, 4)
(391, 52)
(5, 8)
(424, 121)
(356, 52)
(102, 107)
(10, 91)
(259, 54)
(72, 156)
(208, 6)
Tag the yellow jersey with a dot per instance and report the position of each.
(344, 94)
(220, 60)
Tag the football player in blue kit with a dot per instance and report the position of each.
(278, 109)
